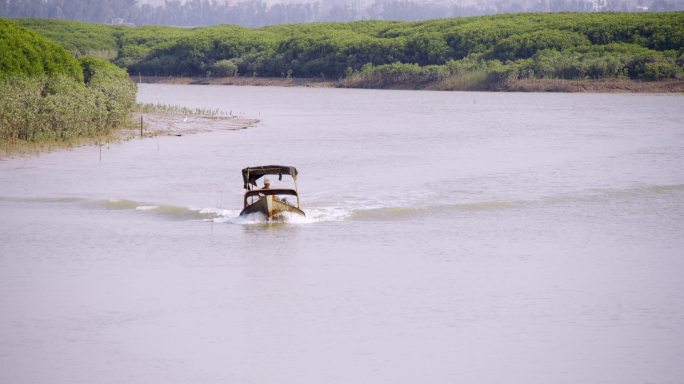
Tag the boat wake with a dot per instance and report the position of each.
(313, 215)
(321, 212)
(230, 216)
(360, 212)
(167, 211)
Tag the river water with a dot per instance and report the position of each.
(450, 237)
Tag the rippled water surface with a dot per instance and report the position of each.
(450, 238)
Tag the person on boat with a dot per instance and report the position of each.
(267, 185)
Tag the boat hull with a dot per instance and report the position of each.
(272, 207)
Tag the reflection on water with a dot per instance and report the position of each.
(445, 234)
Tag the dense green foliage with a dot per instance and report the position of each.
(646, 46)
(258, 13)
(61, 98)
(114, 92)
(25, 53)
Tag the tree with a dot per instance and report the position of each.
(224, 68)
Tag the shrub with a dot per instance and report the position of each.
(116, 92)
(659, 71)
(224, 68)
(61, 108)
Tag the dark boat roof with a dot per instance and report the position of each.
(251, 174)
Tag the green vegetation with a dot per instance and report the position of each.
(473, 52)
(47, 95)
(26, 53)
(176, 110)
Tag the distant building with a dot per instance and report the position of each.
(599, 5)
(118, 21)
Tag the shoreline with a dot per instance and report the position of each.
(180, 124)
(154, 124)
(595, 86)
(525, 85)
(238, 81)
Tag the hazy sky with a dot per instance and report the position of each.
(363, 3)
(483, 2)
(159, 2)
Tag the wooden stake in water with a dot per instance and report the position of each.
(141, 127)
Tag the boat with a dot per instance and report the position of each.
(272, 202)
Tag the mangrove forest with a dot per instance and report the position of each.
(471, 50)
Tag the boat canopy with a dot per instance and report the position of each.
(251, 174)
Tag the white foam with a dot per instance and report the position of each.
(218, 214)
(252, 218)
(313, 215)
(146, 207)
(324, 214)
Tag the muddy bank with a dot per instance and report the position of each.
(602, 86)
(153, 124)
(172, 124)
(238, 80)
(526, 85)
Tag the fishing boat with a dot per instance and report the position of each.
(272, 202)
